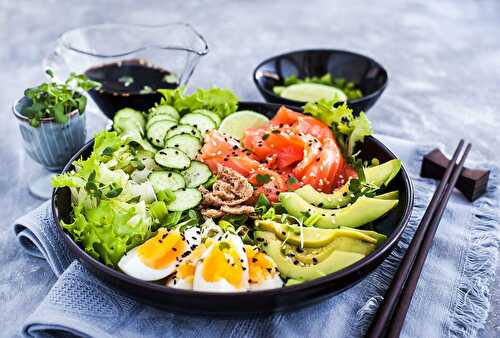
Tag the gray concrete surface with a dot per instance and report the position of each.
(443, 58)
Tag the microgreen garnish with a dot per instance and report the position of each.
(263, 178)
(126, 80)
(146, 90)
(262, 204)
(115, 191)
(57, 100)
(170, 78)
(135, 199)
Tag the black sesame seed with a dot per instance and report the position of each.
(315, 260)
(254, 260)
(175, 249)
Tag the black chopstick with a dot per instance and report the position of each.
(401, 308)
(385, 310)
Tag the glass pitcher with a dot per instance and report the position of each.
(130, 61)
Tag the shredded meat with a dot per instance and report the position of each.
(212, 213)
(238, 210)
(228, 195)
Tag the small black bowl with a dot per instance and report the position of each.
(257, 302)
(365, 72)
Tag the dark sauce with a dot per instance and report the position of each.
(129, 83)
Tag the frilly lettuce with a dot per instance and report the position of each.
(108, 231)
(348, 128)
(220, 101)
(109, 210)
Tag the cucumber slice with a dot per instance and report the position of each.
(158, 118)
(185, 199)
(129, 113)
(164, 110)
(128, 119)
(197, 174)
(200, 121)
(172, 158)
(216, 118)
(184, 129)
(189, 144)
(157, 132)
(162, 180)
(123, 125)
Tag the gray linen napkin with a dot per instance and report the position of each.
(451, 298)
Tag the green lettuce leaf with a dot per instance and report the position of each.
(109, 230)
(220, 101)
(348, 128)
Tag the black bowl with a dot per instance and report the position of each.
(365, 72)
(266, 301)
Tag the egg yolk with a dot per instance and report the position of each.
(162, 250)
(187, 267)
(223, 262)
(260, 265)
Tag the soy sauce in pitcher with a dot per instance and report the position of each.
(129, 83)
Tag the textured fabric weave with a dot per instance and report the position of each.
(451, 297)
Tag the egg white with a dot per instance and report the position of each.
(132, 265)
(192, 237)
(270, 283)
(180, 283)
(200, 284)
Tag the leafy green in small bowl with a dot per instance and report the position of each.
(348, 89)
(56, 100)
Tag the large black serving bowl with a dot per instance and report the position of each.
(282, 299)
(365, 72)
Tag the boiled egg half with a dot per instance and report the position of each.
(156, 258)
(223, 267)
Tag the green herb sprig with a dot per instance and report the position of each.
(57, 100)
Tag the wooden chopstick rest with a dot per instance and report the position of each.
(472, 182)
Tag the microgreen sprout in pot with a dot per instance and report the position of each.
(57, 100)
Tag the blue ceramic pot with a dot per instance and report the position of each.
(51, 144)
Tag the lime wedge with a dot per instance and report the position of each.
(235, 124)
(312, 92)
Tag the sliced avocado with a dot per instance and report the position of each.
(382, 174)
(292, 281)
(311, 237)
(380, 238)
(379, 176)
(350, 240)
(363, 211)
(293, 268)
(339, 198)
(391, 195)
